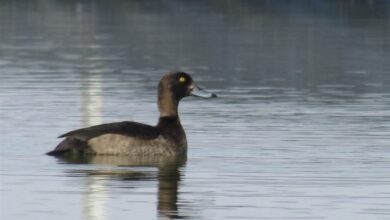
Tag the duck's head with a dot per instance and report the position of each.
(175, 86)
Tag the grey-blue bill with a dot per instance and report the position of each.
(199, 92)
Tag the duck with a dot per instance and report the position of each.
(167, 138)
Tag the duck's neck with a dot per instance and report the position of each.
(167, 104)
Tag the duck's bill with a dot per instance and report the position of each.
(199, 92)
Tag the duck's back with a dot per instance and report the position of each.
(121, 138)
(128, 128)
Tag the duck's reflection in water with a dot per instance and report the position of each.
(125, 168)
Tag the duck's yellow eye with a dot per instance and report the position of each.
(182, 79)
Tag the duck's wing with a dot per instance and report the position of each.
(127, 128)
(78, 139)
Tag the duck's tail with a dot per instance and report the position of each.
(68, 145)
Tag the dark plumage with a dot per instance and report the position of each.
(128, 128)
(132, 138)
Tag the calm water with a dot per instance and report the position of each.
(301, 129)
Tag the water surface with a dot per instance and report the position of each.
(300, 129)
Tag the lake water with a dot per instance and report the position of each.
(301, 128)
